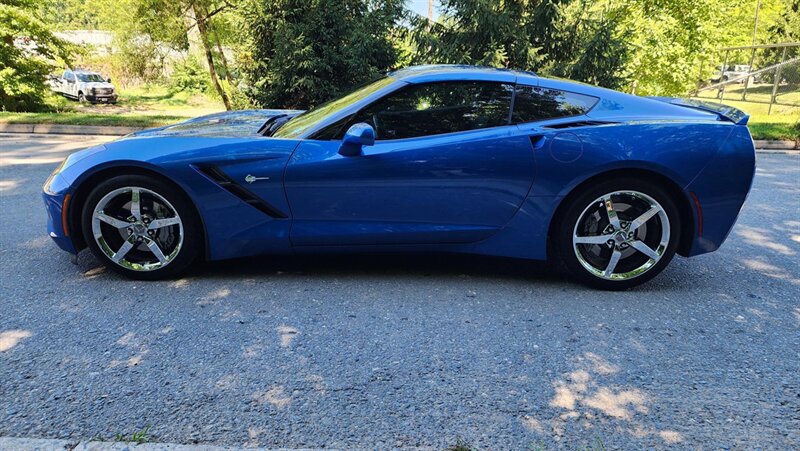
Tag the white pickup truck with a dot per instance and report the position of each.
(85, 86)
(731, 72)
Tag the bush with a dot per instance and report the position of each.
(189, 76)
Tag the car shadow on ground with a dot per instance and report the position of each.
(422, 265)
(372, 266)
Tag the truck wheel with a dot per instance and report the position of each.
(81, 98)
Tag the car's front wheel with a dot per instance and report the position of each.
(618, 234)
(141, 227)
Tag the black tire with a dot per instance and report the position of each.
(580, 204)
(81, 98)
(192, 232)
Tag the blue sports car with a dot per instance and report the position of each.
(425, 159)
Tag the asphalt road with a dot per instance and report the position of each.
(379, 352)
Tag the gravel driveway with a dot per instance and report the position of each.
(380, 352)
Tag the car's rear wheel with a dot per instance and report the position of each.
(618, 234)
(141, 227)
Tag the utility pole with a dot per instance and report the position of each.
(430, 10)
(755, 22)
(752, 53)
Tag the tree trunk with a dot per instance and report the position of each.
(222, 55)
(203, 30)
(219, 49)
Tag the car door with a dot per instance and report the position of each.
(72, 85)
(63, 83)
(446, 168)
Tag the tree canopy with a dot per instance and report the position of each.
(299, 53)
(27, 47)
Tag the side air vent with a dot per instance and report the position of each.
(579, 124)
(222, 179)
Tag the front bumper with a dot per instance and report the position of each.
(56, 201)
(110, 98)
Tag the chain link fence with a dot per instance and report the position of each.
(766, 74)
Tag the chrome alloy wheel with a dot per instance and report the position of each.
(621, 235)
(137, 228)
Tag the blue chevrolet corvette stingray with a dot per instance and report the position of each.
(426, 159)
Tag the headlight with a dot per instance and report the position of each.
(49, 186)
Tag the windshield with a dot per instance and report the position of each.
(90, 77)
(299, 124)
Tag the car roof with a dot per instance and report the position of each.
(443, 72)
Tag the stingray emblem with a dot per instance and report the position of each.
(252, 178)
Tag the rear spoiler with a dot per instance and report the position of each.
(725, 112)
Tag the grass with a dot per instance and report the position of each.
(137, 437)
(157, 99)
(155, 105)
(783, 122)
(143, 106)
(74, 118)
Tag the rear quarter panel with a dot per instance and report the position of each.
(722, 188)
(566, 158)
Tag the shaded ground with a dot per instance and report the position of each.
(415, 351)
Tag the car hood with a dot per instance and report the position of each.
(232, 124)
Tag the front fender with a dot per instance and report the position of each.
(232, 228)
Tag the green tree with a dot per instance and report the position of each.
(569, 38)
(64, 15)
(27, 49)
(300, 53)
(786, 29)
(146, 32)
(519, 34)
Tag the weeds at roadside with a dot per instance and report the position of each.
(460, 445)
(137, 437)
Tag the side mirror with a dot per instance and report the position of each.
(358, 135)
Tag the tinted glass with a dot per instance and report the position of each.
(436, 108)
(334, 131)
(313, 117)
(535, 104)
(91, 78)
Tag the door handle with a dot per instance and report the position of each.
(537, 141)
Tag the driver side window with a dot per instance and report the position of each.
(437, 108)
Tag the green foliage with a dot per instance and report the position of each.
(786, 29)
(137, 437)
(300, 53)
(645, 46)
(189, 76)
(599, 47)
(460, 445)
(560, 37)
(74, 14)
(145, 31)
(602, 59)
(514, 33)
(27, 49)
